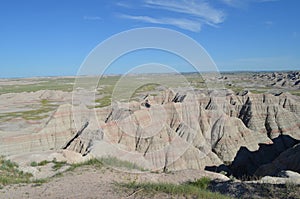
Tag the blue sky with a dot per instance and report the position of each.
(53, 37)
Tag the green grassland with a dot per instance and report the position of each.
(63, 84)
(34, 114)
(112, 88)
(10, 174)
(133, 87)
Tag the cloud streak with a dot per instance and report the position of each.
(198, 9)
(234, 3)
(243, 3)
(92, 18)
(181, 23)
(192, 14)
(263, 1)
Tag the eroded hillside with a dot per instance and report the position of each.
(245, 133)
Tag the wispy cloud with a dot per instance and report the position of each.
(92, 18)
(268, 24)
(125, 5)
(202, 10)
(190, 15)
(234, 3)
(262, 1)
(243, 3)
(181, 23)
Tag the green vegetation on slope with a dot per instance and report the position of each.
(35, 114)
(63, 84)
(10, 174)
(196, 80)
(145, 88)
(295, 92)
(104, 101)
(196, 189)
(115, 162)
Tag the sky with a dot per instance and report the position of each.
(53, 37)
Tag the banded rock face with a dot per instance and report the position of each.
(230, 134)
(270, 114)
(183, 130)
(166, 136)
(52, 135)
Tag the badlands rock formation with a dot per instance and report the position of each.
(287, 160)
(52, 135)
(249, 133)
(281, 79)
(263, 81)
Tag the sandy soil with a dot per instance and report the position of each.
(86, 183)
(91, 182)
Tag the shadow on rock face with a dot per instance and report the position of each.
(219, 169)
(247, 162)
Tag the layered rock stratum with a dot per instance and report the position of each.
(245, 133)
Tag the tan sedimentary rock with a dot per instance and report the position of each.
(52, 135)
(271, 114)
(230, 134)
(180, 130)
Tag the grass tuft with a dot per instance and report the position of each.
(58, 165)
(201, 183)
(43, 163)
(10, 174)
(93, 162)
(115, 162)
(195, 189)
(108, 161)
